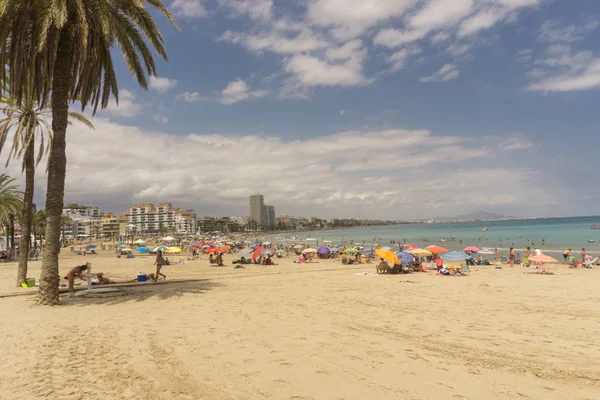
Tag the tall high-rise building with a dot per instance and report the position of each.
(257, 205)
(271, 216)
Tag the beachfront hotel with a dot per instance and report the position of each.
(146, 218)
(258, 211)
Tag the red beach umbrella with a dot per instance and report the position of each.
(436, 249)
(257, 252)
(410, 246)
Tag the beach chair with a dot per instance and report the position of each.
(590, 263)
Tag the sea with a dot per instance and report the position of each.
(547, 234)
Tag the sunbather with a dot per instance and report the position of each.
(103, 280)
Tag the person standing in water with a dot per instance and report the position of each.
(160, 262)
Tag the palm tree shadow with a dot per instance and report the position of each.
(127, 294)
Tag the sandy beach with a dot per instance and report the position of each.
(311, 331)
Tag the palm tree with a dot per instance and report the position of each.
(10, 205)
(64, 48)
(64, 222)
(30, 120)
(39, 225)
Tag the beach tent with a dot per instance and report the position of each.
(141, 250)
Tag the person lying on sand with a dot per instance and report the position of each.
(75, 272)
(103, 280)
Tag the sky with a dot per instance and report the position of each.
(389, 109)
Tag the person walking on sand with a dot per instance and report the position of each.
(497, 255)
(160, 262)
(583, 253)
(511, 256)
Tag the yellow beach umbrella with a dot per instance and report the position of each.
(388, 255)
(173, 250)
(420, 252)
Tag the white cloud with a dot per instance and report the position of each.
(127, 106)
(190, 97)
(553, 31)
(160, 118)
(350, 18)
(255, 9)
(446, 73)
(188, 9)
(398, 59)
(577, 78)
(402, 171)
(561, 70)
(277, 42)
(313, 71)
(161, 85)
(238, 91)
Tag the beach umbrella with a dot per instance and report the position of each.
(125, 249)
(352, 251)
(388, 256)
(420, 252)
(281, 253)
(257, 252)
(173, 250)
(168, 239)
(139, 241)
(324, 250)
(215, 251)
(244, 252)
(90, 246)
(309, 250)
(298, 246)
(267, 243)
(486, 251)
(141, 250)
(410, 246)
(405, 257)
(473, 249)
(455, 255)
(542, 258)
(267, 252)
(340, 246)
(160, 248)
(435, 249)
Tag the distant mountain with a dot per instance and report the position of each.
(475, 215)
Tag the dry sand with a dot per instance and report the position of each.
(314, 331)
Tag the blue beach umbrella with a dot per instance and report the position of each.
(405, 257)
(244, 252)
(267, 252)
(142, 250)
(90, 246)
(455, 255)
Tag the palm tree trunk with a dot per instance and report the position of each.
(27, 213)
(12, 234)
(57, 168)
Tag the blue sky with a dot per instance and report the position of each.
(368, 108)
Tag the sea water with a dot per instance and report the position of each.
(557, 233)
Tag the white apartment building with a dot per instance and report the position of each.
(148, 218)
